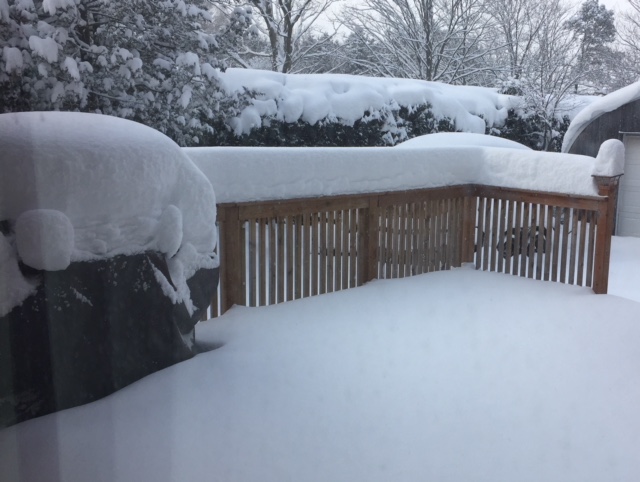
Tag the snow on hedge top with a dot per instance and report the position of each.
(241, 174)
(123, 188)
(598, 107)
(457, 139)
(346, 98)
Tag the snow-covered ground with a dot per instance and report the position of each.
(452, 376)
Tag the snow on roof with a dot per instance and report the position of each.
(598, 107)
(346, 98)
(84, 186)
(458, 139)
(240, 174)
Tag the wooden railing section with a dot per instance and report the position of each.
(277, 251)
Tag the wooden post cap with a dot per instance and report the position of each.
(605, 183)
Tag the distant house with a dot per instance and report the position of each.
(614, 116)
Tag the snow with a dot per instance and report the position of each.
(624, 270)
(185, 98)
(44, 238)
(47, 48)
(601, 106)
(451, 376)
(458, 139)
(80, 297)
(4, 10)
(189, 59)
(610, 159)
(169, 234)
(14, 288)
(50, 6)
(347, 98)
(164, 64)
(241, 174)
(12, 58)
(210, 71)
(134, 64)
(84, 187)
(72, 67)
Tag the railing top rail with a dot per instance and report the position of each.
(276, 207)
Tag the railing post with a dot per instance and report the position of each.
(231, 260)
(607, 187)
(468, 228)
(371, 240)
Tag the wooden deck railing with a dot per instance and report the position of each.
(278, 251)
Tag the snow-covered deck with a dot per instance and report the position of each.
(452, 376)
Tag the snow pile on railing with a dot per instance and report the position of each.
(610, 159)
(241, 174)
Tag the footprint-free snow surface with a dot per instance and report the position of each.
(452, 376)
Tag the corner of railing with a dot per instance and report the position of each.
(607, 187)
(231, 269)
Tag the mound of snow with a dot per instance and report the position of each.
(14, 287)
(601, 106)
(44, 238)
(458, 139)
(610, 159)
(81, 187)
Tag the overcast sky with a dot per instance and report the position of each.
(614, 4)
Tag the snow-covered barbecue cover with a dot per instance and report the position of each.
(79, 187)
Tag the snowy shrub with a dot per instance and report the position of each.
(529, 129)
(370, 131)
(149, 61)
(378, 128)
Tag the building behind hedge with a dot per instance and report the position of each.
(614, 116)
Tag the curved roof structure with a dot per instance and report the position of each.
(605, 118)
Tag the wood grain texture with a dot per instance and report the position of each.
(281, 250)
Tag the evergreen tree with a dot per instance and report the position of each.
(146, 60)
(594, 28)
(594, 25)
